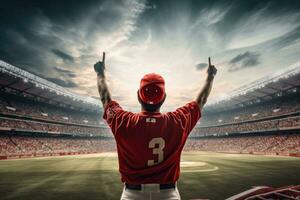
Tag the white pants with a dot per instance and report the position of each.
(151, 192)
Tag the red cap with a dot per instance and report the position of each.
(152, 88)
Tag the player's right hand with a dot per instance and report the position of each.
(99, 67)
(211, 70)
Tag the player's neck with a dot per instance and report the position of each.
(155, 111)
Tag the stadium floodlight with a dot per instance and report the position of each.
(279, 94)
(276, 110)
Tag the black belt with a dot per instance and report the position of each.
(139, 186)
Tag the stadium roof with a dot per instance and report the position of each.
(274, 85)
(16, 80)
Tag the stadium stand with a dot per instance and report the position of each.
(268, 144)
(42, 127)
(28, 146)
(277, 107)
(40, 118)
(11, 105)
(253, 126)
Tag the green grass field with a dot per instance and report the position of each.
(203, 175)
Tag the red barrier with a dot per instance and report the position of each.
(3, 157)
(294, 154)
(81, 153)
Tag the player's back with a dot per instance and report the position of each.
(149, 144)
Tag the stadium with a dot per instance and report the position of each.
(54, 143)
(150, 100)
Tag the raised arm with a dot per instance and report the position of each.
(205, 91)
(101, 80)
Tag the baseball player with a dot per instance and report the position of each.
(149, 143)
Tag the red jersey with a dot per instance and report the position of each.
(149, 144)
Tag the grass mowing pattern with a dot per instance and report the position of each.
(97, 177)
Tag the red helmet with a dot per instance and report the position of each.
(152, 89)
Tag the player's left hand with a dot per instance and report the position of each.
(100, 66)
(211, 70)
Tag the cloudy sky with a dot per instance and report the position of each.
(61, 40)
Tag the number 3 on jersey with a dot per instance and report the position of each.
(157, 144)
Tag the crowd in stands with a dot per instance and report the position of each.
(79, 122)
(269, 125)
(247, 144)
(271, 108)
(275, 124)
(47, 112)
(28, 145)
(26, 116)
(28, 125)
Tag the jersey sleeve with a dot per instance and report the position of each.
(188, 115)
(115, 116)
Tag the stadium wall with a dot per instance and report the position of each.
(45, 155)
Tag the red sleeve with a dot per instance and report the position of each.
(115, 116)
(188, 115)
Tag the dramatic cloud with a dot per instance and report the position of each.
(63, 83)
(258, 27)
(62, 55)
(244, 60)
(210, 16)
(65, 72)
(201, 66)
